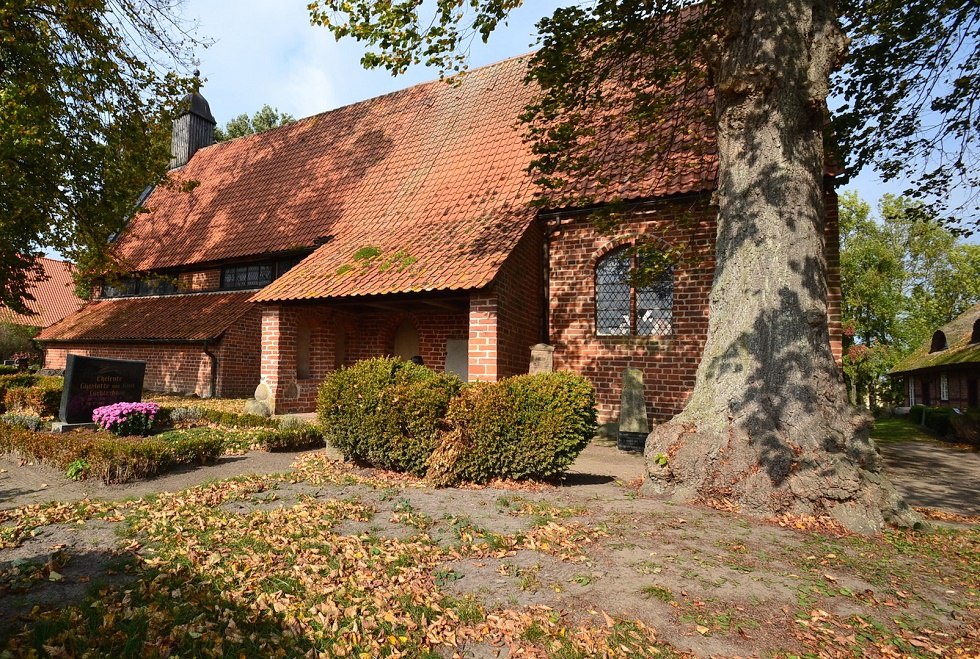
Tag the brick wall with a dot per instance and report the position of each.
(360, 335)
(239, 354)
(832, 253)
(200, 280)
(184, 367)
(170, 368)
(669, 363)
(519, 296)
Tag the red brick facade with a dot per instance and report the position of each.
(291, 347)
(669, 362)
(184, 367)
(927, 388)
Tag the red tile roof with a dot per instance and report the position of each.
(54, 297)
(432, 177)
(167, 318)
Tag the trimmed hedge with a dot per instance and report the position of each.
(386, 412)
(937, 419)
(15, 380)
(194, 414)
(525, 427)
(42, 397)
(111, 459)
(296, 438)
(966, 426)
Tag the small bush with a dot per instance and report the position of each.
(78, 469)
(111, 459)
(42, 398)
(186, 416)
(28, 421)
(8, 370)
(937, 420)
(12, 381)
(183, 416)
(386, 412)
(525, 427)
(966, 426)
(126, 419)
(294, 438)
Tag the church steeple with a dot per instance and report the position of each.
(193, 127)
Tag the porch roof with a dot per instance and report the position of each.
(176, 318)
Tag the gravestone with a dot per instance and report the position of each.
(542, 359)
(92, 382)
(633, 424)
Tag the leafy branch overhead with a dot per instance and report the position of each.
(87, 90)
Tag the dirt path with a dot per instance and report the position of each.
(931, 474)
(32, 483)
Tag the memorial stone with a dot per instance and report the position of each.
(633, 424)
(92, 382)
(542, 359)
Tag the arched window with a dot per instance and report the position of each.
(625, 309)
(975, 337)
(938, 341)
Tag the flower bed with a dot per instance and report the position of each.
(106, 457)
(126, 419)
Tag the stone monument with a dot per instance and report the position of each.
(633, 424)
(542, 359)
(92, 382)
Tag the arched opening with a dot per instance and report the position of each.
(304, 340)
(938, 341)
(975, 337)
(406, 340)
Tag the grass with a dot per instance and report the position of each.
(893, 430)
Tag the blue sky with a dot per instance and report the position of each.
(266, 52)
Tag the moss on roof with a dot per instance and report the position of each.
(959, 351)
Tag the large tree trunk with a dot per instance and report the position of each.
(768, 424)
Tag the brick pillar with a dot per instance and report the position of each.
(832, 254)
(279, 356)
(483, 337)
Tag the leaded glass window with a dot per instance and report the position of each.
(625, 309)
(246, 276)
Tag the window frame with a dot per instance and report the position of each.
(633, 331)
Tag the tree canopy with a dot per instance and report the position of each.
(84, 117)
(903, 274)
(266, 118)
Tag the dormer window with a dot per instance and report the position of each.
(938, 341)
(975, 337)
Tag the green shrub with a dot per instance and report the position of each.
(112, 459)
(966, 426)
(28, 421)
(295, 438)
(386, 412)
(8, 370)
(192, 415)
(937, 420)
(42, 398)
(525, 427)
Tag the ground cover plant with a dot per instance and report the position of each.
(342, 561)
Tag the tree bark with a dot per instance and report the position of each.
(768, 424)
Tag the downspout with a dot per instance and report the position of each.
(214, 368)
(546, 289)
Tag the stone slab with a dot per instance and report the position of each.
(92, 382)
